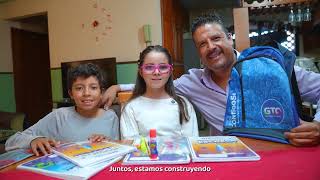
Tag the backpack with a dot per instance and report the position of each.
(260, 102)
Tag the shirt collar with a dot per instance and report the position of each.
(207, 81)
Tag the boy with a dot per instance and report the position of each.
(83, 121)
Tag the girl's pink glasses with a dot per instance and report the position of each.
(150, 68)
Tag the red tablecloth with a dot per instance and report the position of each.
(295, 163)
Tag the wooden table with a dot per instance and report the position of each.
(260, 145)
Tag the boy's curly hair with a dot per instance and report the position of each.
(85, 71)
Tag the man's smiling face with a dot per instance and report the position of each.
(214, 46)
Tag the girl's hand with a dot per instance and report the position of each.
(109, 96)
(43, 145)
(98, 138)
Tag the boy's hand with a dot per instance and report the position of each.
(98, 138)
(109, 96)
(43, 145)
(307, 134)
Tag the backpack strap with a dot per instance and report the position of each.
(298, 100)
(294, 84)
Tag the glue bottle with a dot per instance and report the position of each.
(153, 144)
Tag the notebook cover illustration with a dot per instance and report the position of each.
(220, 148)
(56, 166)
(14, 156)
(87, 153)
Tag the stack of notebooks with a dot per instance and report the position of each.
(14, 156)
(78, 160)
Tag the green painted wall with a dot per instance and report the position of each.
(56, 85)
(7, 97)
(126, 73)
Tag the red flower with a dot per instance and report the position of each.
(95, 23)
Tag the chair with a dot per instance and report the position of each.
(124, 97)
(10, 123)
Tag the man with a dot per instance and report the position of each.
(207, 88)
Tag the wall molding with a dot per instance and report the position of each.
(6, 72)
(123, 62)
(127, 62)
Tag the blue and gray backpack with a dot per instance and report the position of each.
(260, 100)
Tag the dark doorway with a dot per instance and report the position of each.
(31, 68)
(174, 23)
(176, 16)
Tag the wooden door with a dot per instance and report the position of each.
(31, 68)
(174, 22)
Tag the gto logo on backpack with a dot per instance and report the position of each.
(272, 111)
(260, 102)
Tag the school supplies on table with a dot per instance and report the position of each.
(143, 146)
(88, 153)
(153, 144)
(56, 166)
(170, 151)
(13, 156)
(220, 149)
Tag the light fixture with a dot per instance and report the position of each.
(147, 34)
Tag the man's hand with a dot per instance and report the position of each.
(109, 96)
(307, 134)
(98, 138)
(43, 145)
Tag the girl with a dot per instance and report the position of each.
(78, 123)
(154, 103)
